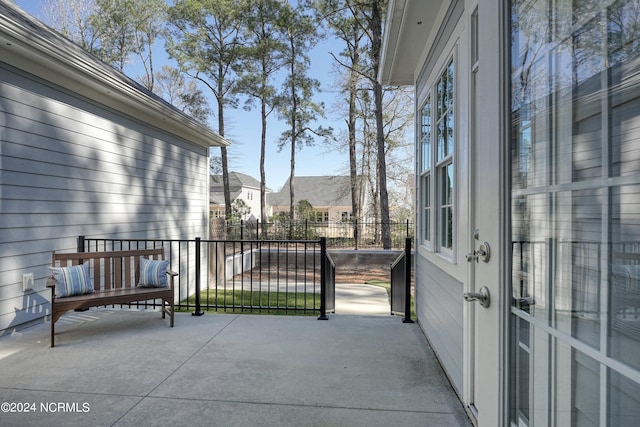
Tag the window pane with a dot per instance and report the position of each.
(440, 98)
(449, 85)
(425, 137)
(445, 119)
(532, 254)
(446, 206)
(577, 255)
(426, 203)
(450, 124)
(624, 401)
(447, 185)
(426, 119)
(442, 140)
(519, 375)
(446, 222)
(584, 377)
(624, 283)
(426, 154)
(625, 126)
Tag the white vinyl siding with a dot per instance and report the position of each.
(440, 314)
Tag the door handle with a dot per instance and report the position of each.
(483, 253)
(483, 297)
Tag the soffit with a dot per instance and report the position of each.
(410, 25)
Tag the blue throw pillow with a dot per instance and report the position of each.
(74, 280)
(153, 274)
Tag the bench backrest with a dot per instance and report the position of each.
(110, 269)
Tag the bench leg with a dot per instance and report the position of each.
(53, 329)
(168, 306)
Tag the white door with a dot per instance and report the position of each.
(484, 293)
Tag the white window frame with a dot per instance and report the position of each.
(425, 165)
(437, 216)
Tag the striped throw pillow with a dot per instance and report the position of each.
(153, 274)
(74, 280)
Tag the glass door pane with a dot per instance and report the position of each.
(575, 212)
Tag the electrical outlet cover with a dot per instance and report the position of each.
(27, 282)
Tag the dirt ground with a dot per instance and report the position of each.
(344, 274)
(351, 274)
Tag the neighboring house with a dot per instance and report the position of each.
(330, 197)
(242, 187)
(527, 182)
(84, 150)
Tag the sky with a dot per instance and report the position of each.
(243, 128)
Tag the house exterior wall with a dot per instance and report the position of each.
(441, 273)
(439, 312)
(251, 196)
(241, 187)
(70, 167)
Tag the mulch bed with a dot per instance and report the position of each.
(345, 274)
(362, 275)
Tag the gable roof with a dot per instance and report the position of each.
(320, 191)
(236, 180)
(31, 46)
(217, 197)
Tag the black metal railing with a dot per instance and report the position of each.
(328, 283)
(401, 284)
(341, 234)
(268, 276)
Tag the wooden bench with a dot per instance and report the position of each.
(115, 277)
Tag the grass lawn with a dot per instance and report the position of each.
(280, 303)
(238, 301)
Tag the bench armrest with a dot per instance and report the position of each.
(171, 274)
(51, 282)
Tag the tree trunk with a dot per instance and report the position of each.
(263, 179)
(376, 46)
(225, 162)
(353, 165)
(294, 114)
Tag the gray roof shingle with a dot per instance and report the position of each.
(236, 181)
(318, 190)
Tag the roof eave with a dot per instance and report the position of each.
(410, 25)
(43, 58)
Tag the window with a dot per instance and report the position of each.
(437, 193)
(320, 216)
(445, 126)
(446, 206)
(425, 170)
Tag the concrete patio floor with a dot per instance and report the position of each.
(129, 368)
